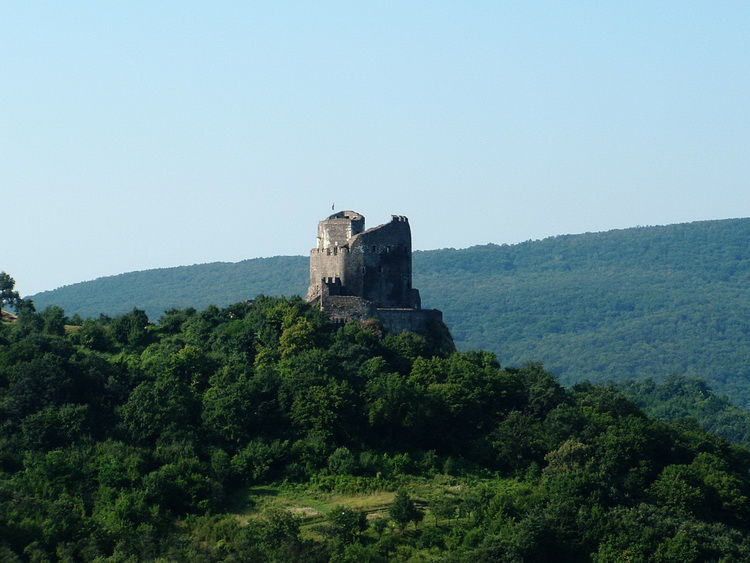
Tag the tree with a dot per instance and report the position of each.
(342, 462)
(131, 328)
(379, 525)
(443, 506)
(54, 320)
(403, 510)
(280, 527)
(95, 335)
(7, 293)
(155, 407)
(347, 523)
(320, 408)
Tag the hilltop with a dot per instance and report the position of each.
(640, 302)
(262, 432)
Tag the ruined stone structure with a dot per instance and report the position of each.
(358, 274)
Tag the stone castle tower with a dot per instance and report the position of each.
(358, 274)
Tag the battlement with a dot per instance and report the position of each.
(338, 228)
(331, 250)
(357, 274)
(374, 264)
(349, 215)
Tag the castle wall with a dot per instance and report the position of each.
(357, 274)
(329, 259)
(409, 320)
(374, 264)
(382, 256)
(339, 228)
(343, 308)
(327, 263)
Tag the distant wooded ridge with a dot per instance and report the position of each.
(640, 302)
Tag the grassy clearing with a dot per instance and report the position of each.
(310, 505)
(313, 505)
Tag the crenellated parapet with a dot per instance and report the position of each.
(357, 273)
(373, 264)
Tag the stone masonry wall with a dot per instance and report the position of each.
(357, 274)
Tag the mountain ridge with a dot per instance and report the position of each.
(643, 301)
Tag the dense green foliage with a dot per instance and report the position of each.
(124, 440)
(8, 294)
(683, 399)
(609, 306)
(643, 302)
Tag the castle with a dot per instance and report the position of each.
(357, 274)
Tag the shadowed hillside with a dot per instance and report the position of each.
(638, 302)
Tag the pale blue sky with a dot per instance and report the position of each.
(137, 135)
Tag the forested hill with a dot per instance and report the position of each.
(631, 303)
(259, 432)
(689, 401)
(200, 285)
(646, 301)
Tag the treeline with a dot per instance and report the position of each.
(642, 302)
(127, 440)
(199, 285)
(690, 401)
